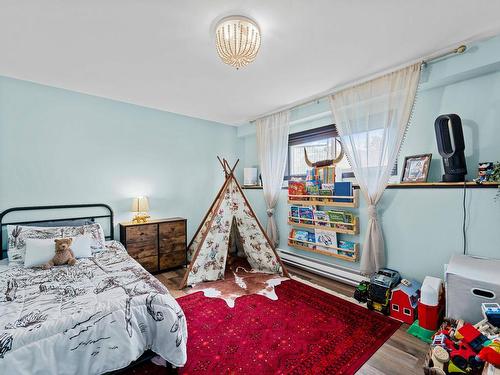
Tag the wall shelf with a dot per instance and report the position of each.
(353, 231)
(324, 200)
(425, 185)
(443, 185)
(298, 245)
(312, 224)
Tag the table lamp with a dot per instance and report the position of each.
(140, 206)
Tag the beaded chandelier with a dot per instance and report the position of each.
(237, 40)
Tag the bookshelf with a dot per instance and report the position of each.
(322, 200)
(353, 227)
(300, 245)
(311, 224)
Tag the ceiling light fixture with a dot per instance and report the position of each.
(237, 39)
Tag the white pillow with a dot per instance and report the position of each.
(40, 251)
(81, 246)
(95, 231)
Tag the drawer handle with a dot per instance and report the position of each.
(483, 293)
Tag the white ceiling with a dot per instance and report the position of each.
(161, 54)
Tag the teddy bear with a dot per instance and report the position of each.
(64, 254)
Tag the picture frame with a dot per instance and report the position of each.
(416, 168)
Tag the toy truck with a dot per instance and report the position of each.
(379, 291)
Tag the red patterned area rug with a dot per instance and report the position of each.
(305, 331)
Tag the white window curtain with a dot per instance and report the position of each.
(371, 120)
(272, 148)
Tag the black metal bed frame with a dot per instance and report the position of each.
(109, 215)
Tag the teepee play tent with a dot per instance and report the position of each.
(230, 222)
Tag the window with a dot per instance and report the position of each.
(320, 145)
(407, 311)
(395, 307)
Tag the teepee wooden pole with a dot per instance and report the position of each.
(234, 166)
(231, 170)
(223, 166)
(227, 166)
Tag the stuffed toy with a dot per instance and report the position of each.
(64, 254)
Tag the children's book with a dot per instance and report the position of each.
(294, 214)
(306, 214)
(326, 193)
(312, 190)
(337, 216)
(296, 188)
(343, 189)
(321, 218)
(310, 174)
(348, 217)
(327, 174)
(301, 235)
(312, 237)
(325, 237)
(330, 175)
(347, 245)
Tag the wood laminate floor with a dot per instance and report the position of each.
(401, 354)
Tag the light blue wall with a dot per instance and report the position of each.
(62, 147)
(422, 227)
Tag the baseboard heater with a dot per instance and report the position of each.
(339, 273)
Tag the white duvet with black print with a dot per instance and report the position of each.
(94, 317)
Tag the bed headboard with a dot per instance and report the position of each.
(84, 209)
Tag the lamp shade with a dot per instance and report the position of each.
(140, 204)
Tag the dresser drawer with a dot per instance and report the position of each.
(138, 250)
(156, 245)
(173, 259)
(168, 246)
(172, 237)
(149, 263)
(173, 229)
(142, 233)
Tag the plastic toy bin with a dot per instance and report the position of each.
(431, 304)
(471, 281)
(428, 316)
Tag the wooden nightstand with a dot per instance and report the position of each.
(157, 245)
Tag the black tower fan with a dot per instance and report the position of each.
(451, 146)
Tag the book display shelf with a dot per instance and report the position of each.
(315, 221)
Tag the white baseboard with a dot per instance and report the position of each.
(339, 273)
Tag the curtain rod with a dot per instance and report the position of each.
(456, 51)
